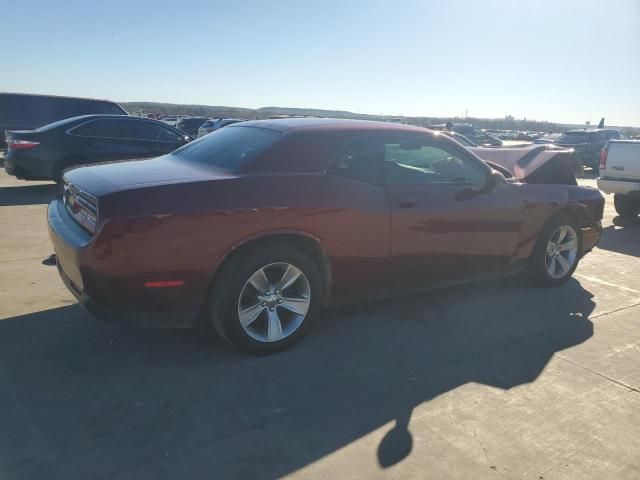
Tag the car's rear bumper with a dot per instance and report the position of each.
(591, 235)
(129, 317)
(106, 296)
(27, 168)
(620, 187)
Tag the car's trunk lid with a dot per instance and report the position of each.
(534, 163)
(111, 177)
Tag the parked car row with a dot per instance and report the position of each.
(474, 134)
(198, 126)
(44, 153)
(27, 112)
(213, 125)
(515, 134)
(47, 134)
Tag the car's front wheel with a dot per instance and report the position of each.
(557, 252)
(264, 301)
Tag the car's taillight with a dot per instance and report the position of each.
(603, 157)
(82, 206)
(21, 144)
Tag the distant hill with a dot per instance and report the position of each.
(508, 122)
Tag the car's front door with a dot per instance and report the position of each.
(446, 225)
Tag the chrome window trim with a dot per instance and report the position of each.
(70, 130)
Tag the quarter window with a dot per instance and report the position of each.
(361, 160)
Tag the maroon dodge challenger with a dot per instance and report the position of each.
(257, 226)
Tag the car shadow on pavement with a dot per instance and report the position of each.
(83, 399)
(622, 237)
(28, 194)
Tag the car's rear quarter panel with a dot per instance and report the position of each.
(541, 202)
(189, 229)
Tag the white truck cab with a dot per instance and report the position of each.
(620, 175)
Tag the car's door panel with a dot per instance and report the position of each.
(444, 227)
(441, 238)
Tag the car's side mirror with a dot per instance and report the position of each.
(494, 178)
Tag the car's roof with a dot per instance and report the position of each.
(55, 96)
(592, 130)
(287, 124)
(81, 118)
(117, 117)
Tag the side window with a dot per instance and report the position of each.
(101, 129)
(361, 160)
(419, 164)
(151, 131)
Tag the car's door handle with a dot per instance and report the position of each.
(407, 202)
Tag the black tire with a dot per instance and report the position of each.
(59, 171)
(225, 295)
(626, 206)
(537, 268)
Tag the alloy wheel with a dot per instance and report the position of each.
(274, 302)
(562, 251)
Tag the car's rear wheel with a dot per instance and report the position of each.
(264, 301)
(557, 252)
(626, 206)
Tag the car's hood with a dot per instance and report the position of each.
(520, 161)
(104, 178)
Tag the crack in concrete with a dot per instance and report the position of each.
(604, 314)
(450, 411)
(492, 465)
(612, 380)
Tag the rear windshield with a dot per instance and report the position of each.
(573, 137)
(228, 148)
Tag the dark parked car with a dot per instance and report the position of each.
(190, 125)
(476, 135)
(44, 153)
(213, 125)
(20, 111)
(470, 133)
(258, 225)
(588, 144)
(460, 138)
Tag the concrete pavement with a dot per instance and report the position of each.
(496, 380)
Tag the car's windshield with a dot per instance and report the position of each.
(228, 148)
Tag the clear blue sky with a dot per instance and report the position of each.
(558, 60)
